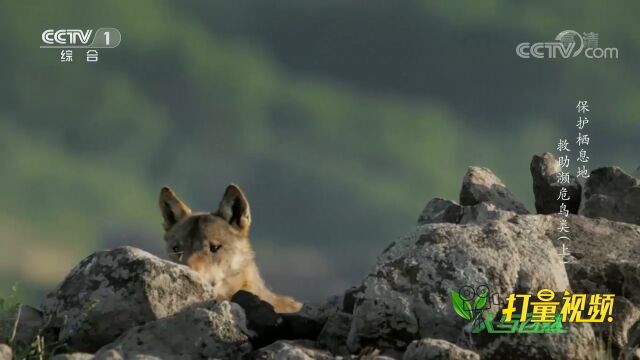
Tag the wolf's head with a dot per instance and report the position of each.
(215, 244)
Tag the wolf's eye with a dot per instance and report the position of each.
(175, 249)
(214, 248)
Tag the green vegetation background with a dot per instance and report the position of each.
(340, 120)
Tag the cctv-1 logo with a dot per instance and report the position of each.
(102, 38)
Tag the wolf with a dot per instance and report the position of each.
(216, 245)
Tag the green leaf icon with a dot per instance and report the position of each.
(459, 305)
(480, 301)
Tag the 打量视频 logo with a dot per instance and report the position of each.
(546, 312)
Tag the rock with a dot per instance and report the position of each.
(637, 173)
(74, 356)
(111, 291)
(321, 311)
(578, 343)
(616, 333)
(30, 322)
(440, 210)
(349, 299)
(382, 318)
(631, 335)
(446, 211)
(330, 305)
(605, 256)
(546, 188)
(483, 213)
(604, 260)
(292, 350)
(334, 333)
(5, 352)
(212, 330)
(544, 165)
(482, 185)
(407, 296)
(612, 194)
(437, 349)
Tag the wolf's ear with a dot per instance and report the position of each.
(234, 208)
(172, 208)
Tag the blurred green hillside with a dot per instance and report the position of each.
(339, 119)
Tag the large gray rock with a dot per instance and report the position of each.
(207, 331)
(111, 291)
(482, 185)
(292, 350)
(546, 188)
(437, 349)
(407, 296)
(611, 193)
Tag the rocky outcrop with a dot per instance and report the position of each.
(214, 330)
(546, 187)
(482, 185)
(134, 305)
(611, 193)
(111, 291)
(407, 296)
